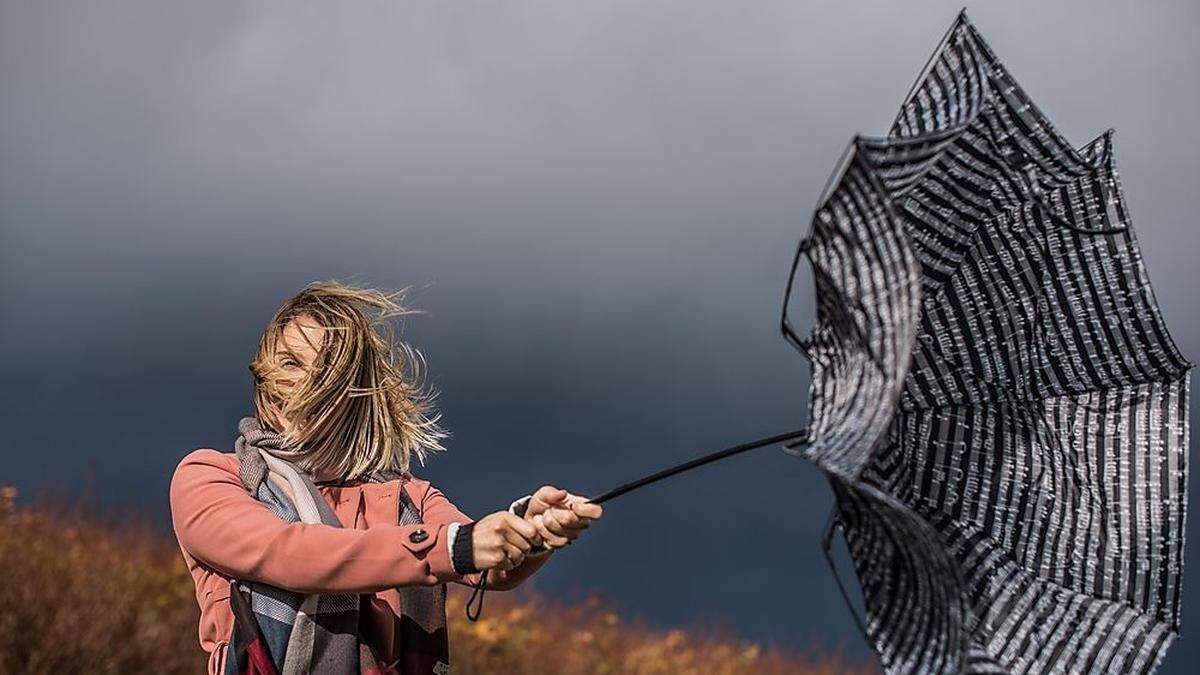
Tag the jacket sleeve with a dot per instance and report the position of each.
(435, 508)
(219, 524)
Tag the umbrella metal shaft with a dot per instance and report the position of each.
(797, 438)
(698, 462)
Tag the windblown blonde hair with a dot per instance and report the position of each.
(361, 406)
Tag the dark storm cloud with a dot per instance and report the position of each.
(596, 202)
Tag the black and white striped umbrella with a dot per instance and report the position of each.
(995, 398)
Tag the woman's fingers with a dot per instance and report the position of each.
(587, 510)
(569, 518)
(501, 539)
(519, 531)
(546, 497)
(564, 523)
(519, 542)
(513, 555)
(552, 538)
(520, 526)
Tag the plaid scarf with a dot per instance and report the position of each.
(277, 631)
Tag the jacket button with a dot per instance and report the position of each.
(418, 536)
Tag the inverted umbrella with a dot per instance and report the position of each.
(995, 398)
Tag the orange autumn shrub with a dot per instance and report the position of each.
(524, 633)
(82, 595)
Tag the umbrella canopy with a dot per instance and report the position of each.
(995, 398)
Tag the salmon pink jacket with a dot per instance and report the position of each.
(225, 533)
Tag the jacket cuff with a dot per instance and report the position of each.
(437, 555)
(519, 507)
(463, 550)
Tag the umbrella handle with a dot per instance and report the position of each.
(835, 523)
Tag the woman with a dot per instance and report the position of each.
(332, 556)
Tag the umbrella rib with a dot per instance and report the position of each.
(832, 524)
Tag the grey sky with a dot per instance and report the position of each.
(597, 203)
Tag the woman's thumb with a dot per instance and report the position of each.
(552, 495)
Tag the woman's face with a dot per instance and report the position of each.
(296, 351)
(298, 346)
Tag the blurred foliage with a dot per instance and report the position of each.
(83, 595)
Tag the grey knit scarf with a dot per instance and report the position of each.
(319, 633)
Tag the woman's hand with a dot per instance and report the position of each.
(559, 516)
(500, 540)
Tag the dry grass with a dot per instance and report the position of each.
(82, 596)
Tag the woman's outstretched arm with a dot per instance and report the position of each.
(219, 524)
